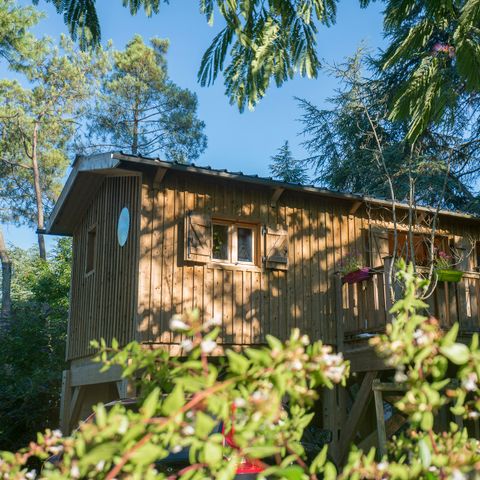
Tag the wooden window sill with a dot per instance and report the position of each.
(234, 266)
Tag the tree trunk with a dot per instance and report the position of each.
(6, 283)
(135, 131)
(38, 194)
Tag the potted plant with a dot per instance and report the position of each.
(353, 271)
(444, 268)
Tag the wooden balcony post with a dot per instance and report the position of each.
(387, 281)
(339, 311)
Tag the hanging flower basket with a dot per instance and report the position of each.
(356, 276)
(448, 275)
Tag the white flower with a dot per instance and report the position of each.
(305, 340)
(123, 427)
(296, 365)
(57, 433)
(332, 359)
(176, 449)
(178, 325)
(240, 402)
(400, 377)
(382, 466)
(56, 449)
(208, 346)
(75, 471)
(215, 321)
(458, 475)
(335, 374)
(473, 415)
(188, 430)
(259, 396)
(187, 345)
(420, 336)
(99, 466)
(31, 475)
(470, 383)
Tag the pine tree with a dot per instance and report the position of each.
(286, 168)
(434, 48)
(36, 124)
(141, 111)
(440, 166)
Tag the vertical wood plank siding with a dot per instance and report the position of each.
(251, 302)
(104, 302)
(134, 291)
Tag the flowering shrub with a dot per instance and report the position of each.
(443, 260)
(350, 263)
(183, 400)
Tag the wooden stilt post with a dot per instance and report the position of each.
(380, 413)
(65, 401)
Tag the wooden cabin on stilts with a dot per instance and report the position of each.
(153, 238)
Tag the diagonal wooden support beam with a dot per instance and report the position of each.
(277, 193)
(159, 176)
(356, 413)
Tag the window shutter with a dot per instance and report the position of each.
(378, 246)
(198, 237)
(276, 249)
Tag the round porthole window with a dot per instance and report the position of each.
(123, 226)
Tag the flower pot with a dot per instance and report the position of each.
(448, 275)
(356, 276)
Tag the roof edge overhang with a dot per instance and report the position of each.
(88, 172)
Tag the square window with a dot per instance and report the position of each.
(245, 244)
(220, 242)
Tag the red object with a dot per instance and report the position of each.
(356, 276)
(246, 466)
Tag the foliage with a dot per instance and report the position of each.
(348, 140)
(350, 263)
(443, 260)
(433, 55)
(36, 124)
(437, 371)
(433, 58)
(16, 40)
(183, 401)
(140, 110)
(33, 347)
(286, 168)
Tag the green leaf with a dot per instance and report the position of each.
(293, 472)
(451, 336)
(425, 454)
(261, 451)
(100, 452)
(458, 353)
(319, 460)
(149, 406)
(148, 454)
(204, 424)
(213, 453)
(174, 401)
(238, 363)
(427, 421)
(329, 472)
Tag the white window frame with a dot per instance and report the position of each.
(233, 242)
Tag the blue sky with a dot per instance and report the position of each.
(235, 141)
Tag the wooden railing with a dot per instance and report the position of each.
(364, 305)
